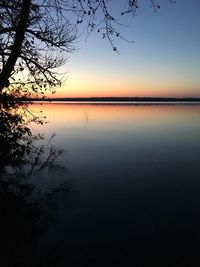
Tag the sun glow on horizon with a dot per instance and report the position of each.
(83, 86)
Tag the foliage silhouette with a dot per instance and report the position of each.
(33, 36)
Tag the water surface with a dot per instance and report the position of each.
(134, 182)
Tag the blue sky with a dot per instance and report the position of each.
(164, 60)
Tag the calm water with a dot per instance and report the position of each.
(130, 192)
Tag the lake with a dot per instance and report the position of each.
(128, 192)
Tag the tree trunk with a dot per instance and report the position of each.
(17, 44)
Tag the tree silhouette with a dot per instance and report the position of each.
(33, 36)
(37, 35)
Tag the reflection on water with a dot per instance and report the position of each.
(135, 195)
(24, 208)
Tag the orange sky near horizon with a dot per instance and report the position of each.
(93, 86)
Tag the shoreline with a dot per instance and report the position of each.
(120, 100)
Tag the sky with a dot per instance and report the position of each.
(164, 59)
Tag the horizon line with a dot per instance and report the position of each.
(116, 98)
